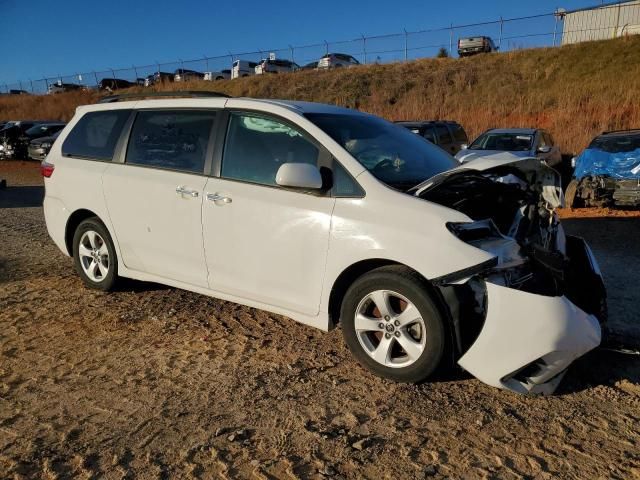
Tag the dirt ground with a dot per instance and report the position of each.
(154, 382)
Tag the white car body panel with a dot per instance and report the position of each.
(522, 327)
(159, 230)
(268, 244)
(282, 250)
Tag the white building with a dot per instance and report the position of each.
(600, 22)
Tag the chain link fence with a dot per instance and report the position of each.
(508, 34)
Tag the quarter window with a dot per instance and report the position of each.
(175, 140)
(257, 146)
(95, 135)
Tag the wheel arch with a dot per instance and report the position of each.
(75, 219)
(356, 270)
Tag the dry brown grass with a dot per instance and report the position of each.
(575, 91)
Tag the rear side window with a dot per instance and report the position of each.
(459, 134)
(174, 140)
(95, 135)
(443, 134)
(430, 135)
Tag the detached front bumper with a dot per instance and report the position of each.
(528, 340)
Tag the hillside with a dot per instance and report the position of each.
(574, 91)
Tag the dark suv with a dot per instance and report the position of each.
(448, 135)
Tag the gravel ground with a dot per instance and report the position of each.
(152, 382)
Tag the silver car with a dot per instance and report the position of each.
(521, 142)
(335, 60)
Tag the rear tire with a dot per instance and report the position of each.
(94, 255)
(392, 325)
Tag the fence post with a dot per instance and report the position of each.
(326, 47)
(206, 61)
(501, 28)
(113, 74)
(406, 44)
(31, 82)
(46, 84)
(364, 48)
(451, 39)
(135, 72)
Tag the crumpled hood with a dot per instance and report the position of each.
(464, 156)
(533, 169)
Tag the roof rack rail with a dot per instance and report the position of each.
(620, 131)
(177, 93)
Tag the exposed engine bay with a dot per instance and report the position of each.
(512, 206)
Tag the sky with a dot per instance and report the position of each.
(44, 38)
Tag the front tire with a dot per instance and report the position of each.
(392, 326)
(94, 255)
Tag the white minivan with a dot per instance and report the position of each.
(331, 217)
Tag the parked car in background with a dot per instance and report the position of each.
(310, 66)
(184, 75)
(521, 142)
(607, 172)
(243, 68)
(221, 75)
(10, 135)
(275, 65)
(448, 135)
(111, 84)
(60, 87)
(331, 216)
(39, 147)
(334, 60)
(21, 146)
(473, 45)
(158, 77)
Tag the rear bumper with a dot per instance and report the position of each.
(528, 340)
(56, 216)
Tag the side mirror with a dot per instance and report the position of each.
(544, 149)
(464, 146)
(299, 175)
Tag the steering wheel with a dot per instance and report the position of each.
(382, 164)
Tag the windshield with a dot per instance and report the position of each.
(505, 142)
(42, 130)
(617, 143)
(390, 152)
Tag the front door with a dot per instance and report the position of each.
(155, 198)
(263, 242)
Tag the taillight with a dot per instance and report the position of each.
(47, 169)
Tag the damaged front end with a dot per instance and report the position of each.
(603, 191)
(519, 322)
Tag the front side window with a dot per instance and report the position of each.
(391, 153)
(257, 146)
(174, 140)
(95, 135)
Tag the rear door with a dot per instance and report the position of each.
(263, 242)
(154, 194)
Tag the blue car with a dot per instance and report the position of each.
(607, 172)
